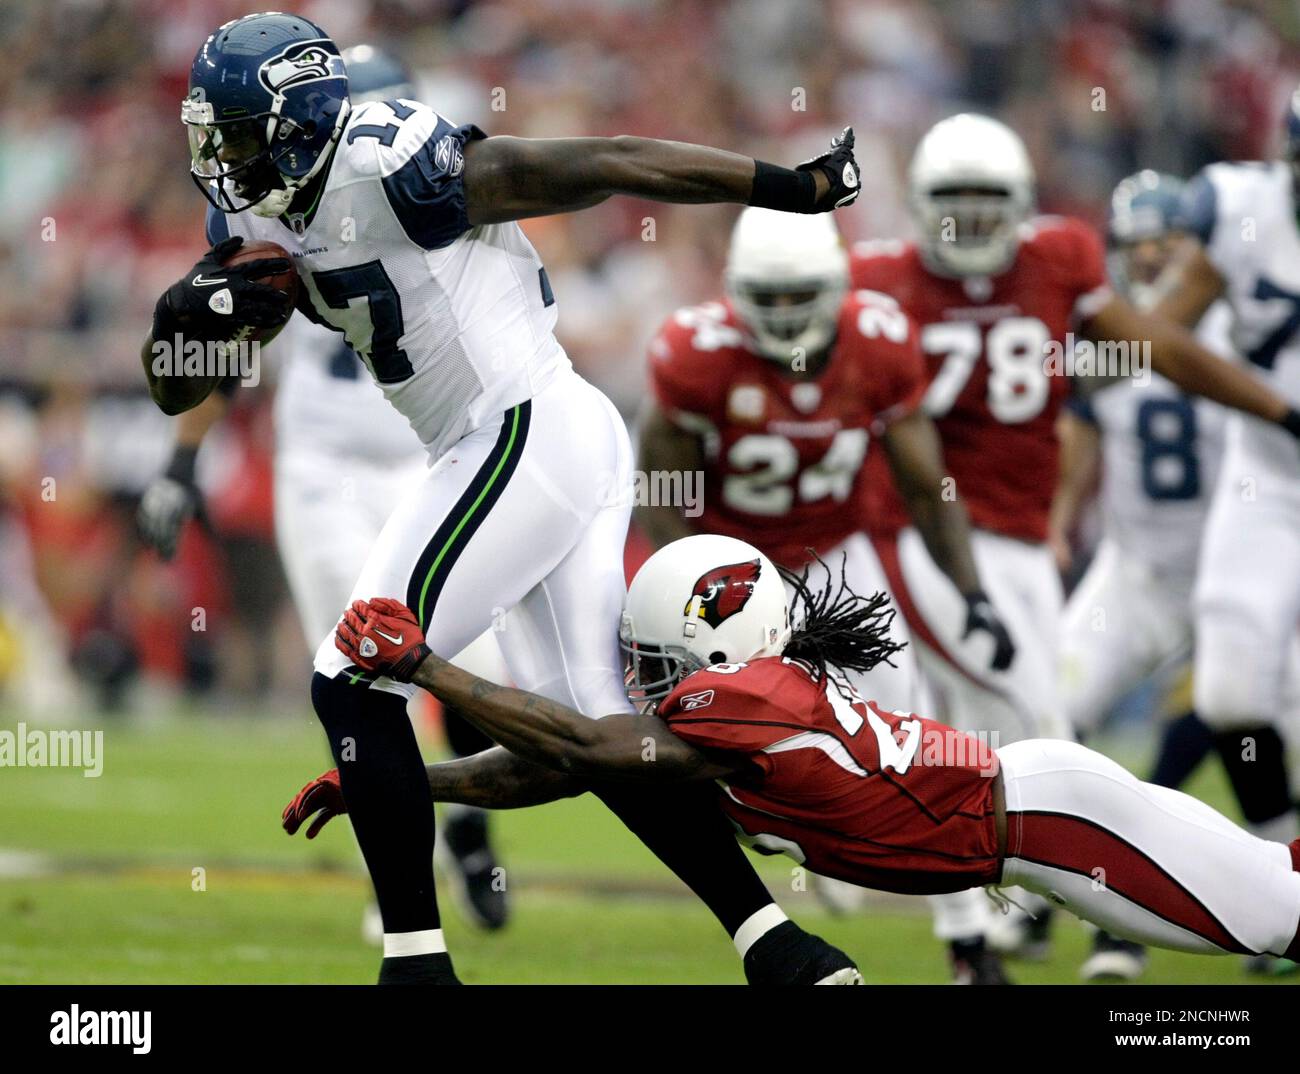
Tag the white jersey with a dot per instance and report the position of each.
(1245, 215)
(1160, 460)
(455, 323)
(327, 404)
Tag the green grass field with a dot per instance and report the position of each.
(97, 883)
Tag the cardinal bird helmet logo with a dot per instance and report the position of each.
(723, 591)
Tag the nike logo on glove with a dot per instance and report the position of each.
(199, 281)
(388, 637)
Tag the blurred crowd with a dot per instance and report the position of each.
(98, 215)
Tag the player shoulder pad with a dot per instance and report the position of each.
(419, 158)
(875, 316)
(873, 261)
(1070, 251)
(693, 354)
(1229, 191)
(1051, 230)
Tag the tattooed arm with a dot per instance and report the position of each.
(624, 746)
(498, 779)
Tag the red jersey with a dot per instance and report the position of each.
(879, 799)
(784, 452)
(985, 343)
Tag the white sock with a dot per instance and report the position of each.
(960, 915)
(758, 925)
(405, 944)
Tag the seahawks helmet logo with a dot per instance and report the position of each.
(301, 62)
(723, 591)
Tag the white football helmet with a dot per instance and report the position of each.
(702, 600)
(786, 276)
(970, 187)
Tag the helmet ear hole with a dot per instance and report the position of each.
(717, 657)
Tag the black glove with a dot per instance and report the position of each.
(212, 303)
(170, 501)
(980, 615)
(841, 169)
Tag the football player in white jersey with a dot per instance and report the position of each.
(402, 229)
(1157, 450)
(1248, 586)
(333, 492)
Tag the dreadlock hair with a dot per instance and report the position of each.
(836, 628)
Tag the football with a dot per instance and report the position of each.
(286, 281)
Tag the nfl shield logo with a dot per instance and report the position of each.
(806, 397)
(746, 403)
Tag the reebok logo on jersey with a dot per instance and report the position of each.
(696, 701)
(368, 648)
(447, 155)
(388, 637)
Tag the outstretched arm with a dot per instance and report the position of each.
(1176, 354)
(619, 747)
(493, 779)
(513, 178)
(499, 779)
(622, 746)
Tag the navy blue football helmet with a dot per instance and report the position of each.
(267, 102)
(1145, 219)
(1144, 206)
(376, 75)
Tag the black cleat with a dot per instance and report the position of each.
(1114, 959)
(479, 878)
(975, 963)
(786, 955)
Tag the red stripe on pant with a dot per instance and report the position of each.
(1080, 846)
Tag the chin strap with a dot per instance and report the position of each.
(277, 202)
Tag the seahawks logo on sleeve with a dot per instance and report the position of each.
(723, 591)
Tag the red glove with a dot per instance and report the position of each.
(323, 793)
(382, 635)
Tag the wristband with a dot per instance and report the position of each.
(782, 188)
(404, 670)
(1290, 421)
(181, 468)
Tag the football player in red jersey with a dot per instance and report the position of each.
(775, 395)
(995, 291)
(737, 694)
